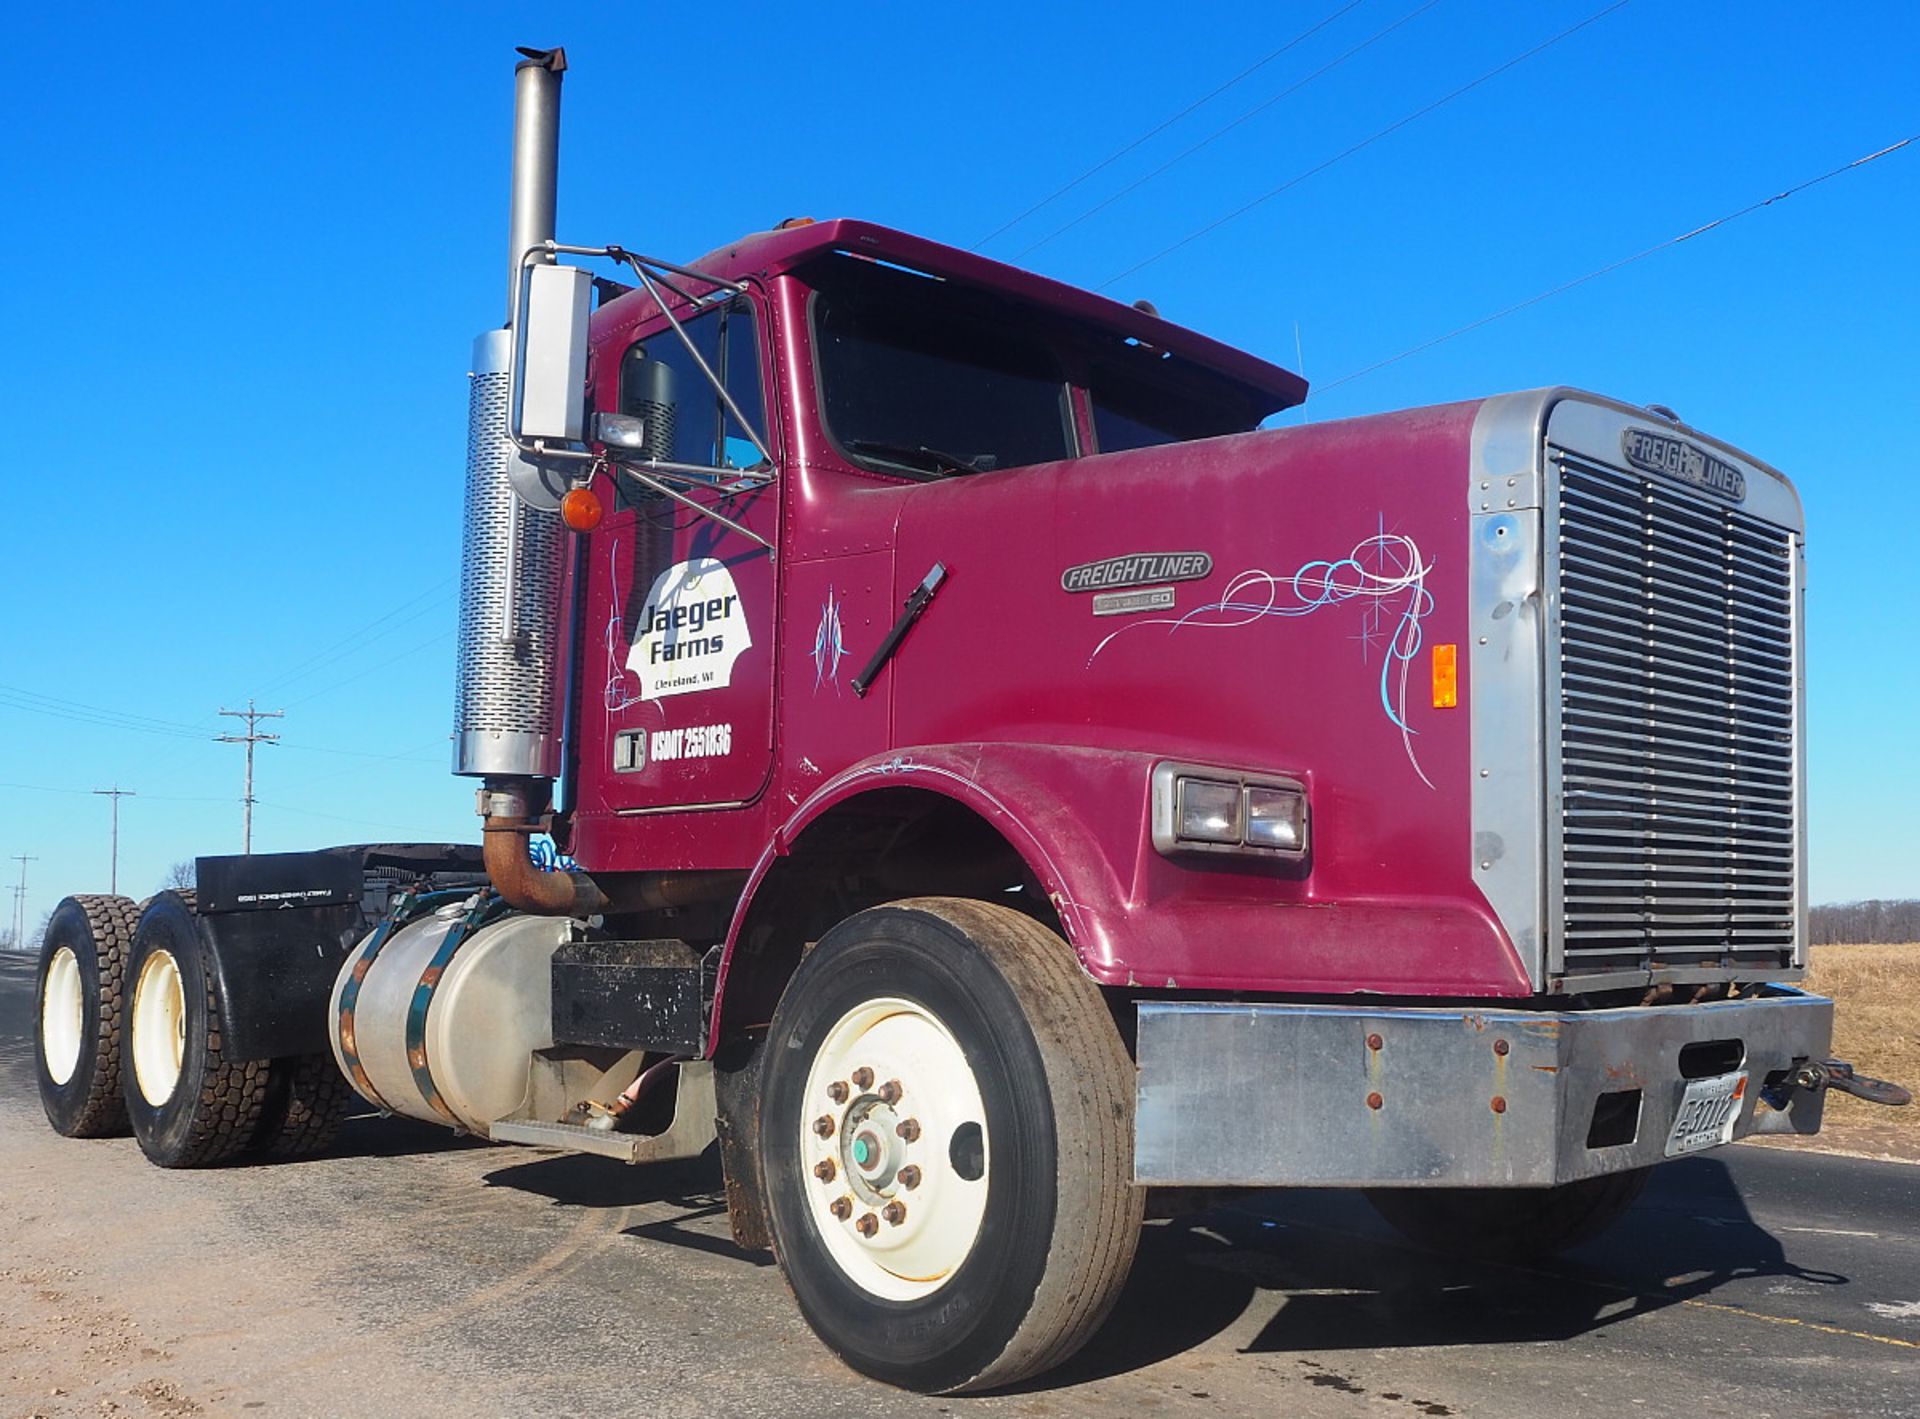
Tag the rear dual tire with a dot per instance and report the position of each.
(189, 1104)
(79, 1021)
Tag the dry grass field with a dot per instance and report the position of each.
(1876, 994)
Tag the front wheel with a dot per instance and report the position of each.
(947, 1137)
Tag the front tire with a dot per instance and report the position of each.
(79, 1017)
(190, 1105)
(946, 1131)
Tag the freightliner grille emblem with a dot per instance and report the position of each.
(1684, 463)
(1136, 569)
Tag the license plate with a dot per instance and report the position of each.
(1708, 1111)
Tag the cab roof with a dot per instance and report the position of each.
(776, 252)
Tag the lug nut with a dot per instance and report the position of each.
(824, 1170)
(823, 1126)
(841, 1207)
(863, 1078)
(908, 1128)
(890, 1092)
(837, 1091)
(909, 1176)
(867, 1225)
(895, 1213)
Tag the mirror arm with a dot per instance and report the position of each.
(658, 486)
(652, 289)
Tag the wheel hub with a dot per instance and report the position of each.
(871, 1149)
(887, 1092)
(158, 1027)
(62, 1015)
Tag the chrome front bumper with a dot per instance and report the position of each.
(1341, 1096)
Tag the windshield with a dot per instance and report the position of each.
(921, 375)
(1137, 403)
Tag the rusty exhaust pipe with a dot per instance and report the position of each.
(512, 812)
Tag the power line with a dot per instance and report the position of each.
(94, 715)
(150, 797)
(1219, 133)
(1164, 125)
(252, 737)
(100, 717)
(1613, 266)
(1364, 143)
(344, 647)
(406, 654)
(203, 728)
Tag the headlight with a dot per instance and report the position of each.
(1276, 818)
(1199, 809)
(1210, 812)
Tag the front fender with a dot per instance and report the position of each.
(1080, 819)
(1073, 815)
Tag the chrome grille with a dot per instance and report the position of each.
(1679, 828)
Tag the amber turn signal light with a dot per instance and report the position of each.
(581, 510)
(1446, 676)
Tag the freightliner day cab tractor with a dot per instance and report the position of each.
(998, 780)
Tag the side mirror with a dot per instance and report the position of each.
(548, 394)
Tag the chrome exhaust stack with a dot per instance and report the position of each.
(509, 699)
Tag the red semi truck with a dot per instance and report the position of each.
(998, 778)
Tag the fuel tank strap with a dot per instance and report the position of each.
(409, 905)
(487, 907)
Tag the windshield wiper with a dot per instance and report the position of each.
(932, 459)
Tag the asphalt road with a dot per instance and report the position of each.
(410, 1273)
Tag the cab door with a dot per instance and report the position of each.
(681, 607)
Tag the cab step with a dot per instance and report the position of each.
(688, 1136)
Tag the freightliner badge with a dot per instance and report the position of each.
(1136, 569)
(1684, 463)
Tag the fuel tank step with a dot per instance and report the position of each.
(687, 1136)
(650, 995)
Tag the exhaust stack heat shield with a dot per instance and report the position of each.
(509, 685)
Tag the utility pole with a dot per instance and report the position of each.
(20, 903)
(116, 793)
(252, 737)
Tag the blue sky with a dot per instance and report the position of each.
(252, 247)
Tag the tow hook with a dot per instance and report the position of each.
(1837, 1074)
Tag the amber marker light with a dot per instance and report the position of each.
(1446, 676)
(581, 510)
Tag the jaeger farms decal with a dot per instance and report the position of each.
(692, 629)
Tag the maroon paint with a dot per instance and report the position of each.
(1011, 696)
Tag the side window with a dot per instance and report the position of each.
(686, 420)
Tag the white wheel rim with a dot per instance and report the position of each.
(62, 1015)
(910, 1198)
(158, 1023)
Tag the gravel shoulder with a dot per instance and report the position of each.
(408, 1272)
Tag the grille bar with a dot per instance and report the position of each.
(1675, 663)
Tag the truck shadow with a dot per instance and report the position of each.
(366, 1134)
(1301, 1272)
(1334, 1277)
(689, 1196)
